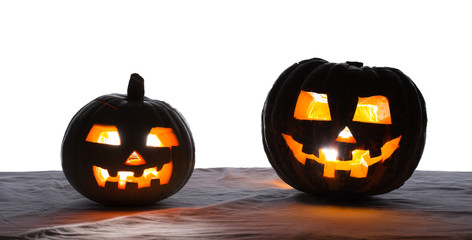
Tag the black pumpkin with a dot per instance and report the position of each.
(343, 129)
(128, 149)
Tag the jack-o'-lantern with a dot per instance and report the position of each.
(128, 149)
(343, 128)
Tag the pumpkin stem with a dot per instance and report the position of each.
(355, 64)
(136, 88)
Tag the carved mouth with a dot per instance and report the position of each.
(358, 165)
(122, 177)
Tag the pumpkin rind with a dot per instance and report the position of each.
(134, 116)
(344, 84)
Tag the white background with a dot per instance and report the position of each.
(215, 61)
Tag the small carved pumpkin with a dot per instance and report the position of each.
(128, 149)
(343, 128)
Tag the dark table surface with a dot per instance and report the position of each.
(241, 203)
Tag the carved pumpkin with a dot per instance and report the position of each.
(128, 149)
(343, 128)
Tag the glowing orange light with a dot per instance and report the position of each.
(103, 134)
(135, 159)
(361, 159)
(312, 106)
(165, 173)
(162, 137)
(374, 109)
(346, 136)
(123, 177)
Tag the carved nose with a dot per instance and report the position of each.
(135, 159)
(346, 136)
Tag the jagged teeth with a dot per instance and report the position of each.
(122, 177)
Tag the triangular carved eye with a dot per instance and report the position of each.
(312, 106)
(104, 134)
(374, 109)
(162, 137)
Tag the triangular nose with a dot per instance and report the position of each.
(135, 159)
(346, 136)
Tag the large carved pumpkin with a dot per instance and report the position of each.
(343, 128)
(128, 149)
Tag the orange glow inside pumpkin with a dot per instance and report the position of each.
(123, 177)
(157, 137)
(104, 134)
(346, 136)
(358, 165)
(162, 137)
(312, 106)
(374, 109)
(135, 159)
(108, 134)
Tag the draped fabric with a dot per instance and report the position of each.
(238, 203)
